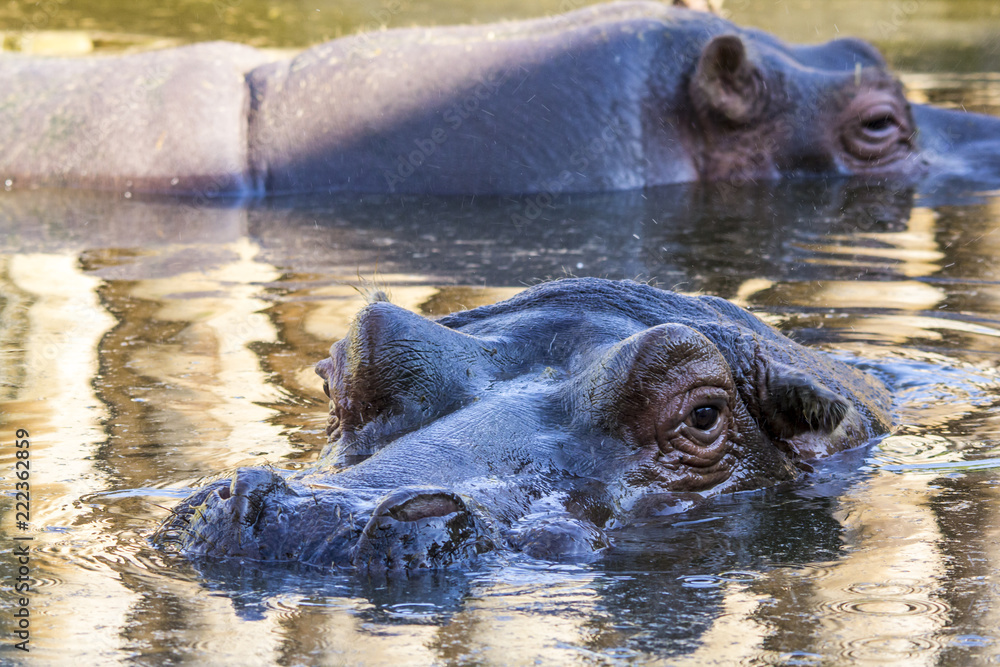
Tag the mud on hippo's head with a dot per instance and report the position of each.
(535, 425)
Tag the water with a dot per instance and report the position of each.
(148, 346)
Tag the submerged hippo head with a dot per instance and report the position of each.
(535, 424)
(764, 110)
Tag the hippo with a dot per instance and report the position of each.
(537, 426)
(618, 96)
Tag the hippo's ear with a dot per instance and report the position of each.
(396, 361)
(727, 82)
(793, 403)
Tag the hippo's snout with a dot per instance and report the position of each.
(247, 493)
(261, 516)
(421, 527)
(227, 517)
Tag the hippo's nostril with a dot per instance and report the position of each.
(224, 493)
(419, 527)
(249, 491)
(254, 481)
(425, 506)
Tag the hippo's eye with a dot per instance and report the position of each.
(880, 124)
(703, 418)
(707, 419)
(875, 130)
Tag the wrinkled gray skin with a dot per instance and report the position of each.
(535, 425)
(617, 96)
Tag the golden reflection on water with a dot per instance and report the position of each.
(55, 357)
(179, 373)
(894, 538)
(904, 306)
(883, 601)
(141, 370)
(183, 365)
(912, 252)
(54, 323)
(738, 636)
(161, 349)
(979, 92)
(502, 624)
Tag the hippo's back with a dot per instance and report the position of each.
(162, 121)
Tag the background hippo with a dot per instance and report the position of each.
(535, 424)
(611, 97)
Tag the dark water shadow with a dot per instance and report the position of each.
(690, 237)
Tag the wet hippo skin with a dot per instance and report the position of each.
(611, 97)
(535, 425)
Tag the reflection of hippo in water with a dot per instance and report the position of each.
(535, 424)
(610, 97)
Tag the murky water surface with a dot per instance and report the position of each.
(148, 346)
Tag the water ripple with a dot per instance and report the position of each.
(924, 453)
(717, 580)
(416, 612)
(812, 572)
(893, 588)
(888, 649)
(291, 606)
(879, 606)
(907, 448)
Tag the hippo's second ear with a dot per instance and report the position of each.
(727, 82)
(793, 403)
